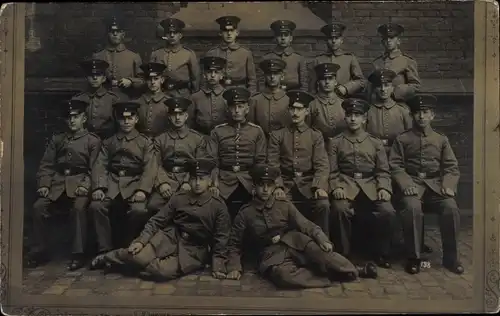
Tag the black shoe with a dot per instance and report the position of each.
(412, 266)
(426, 249)
(382, 262)
(367, 271)
(455, 267)
(34, 260)
(76, 263)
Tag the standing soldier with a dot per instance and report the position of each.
(64, 181)
(426, 172)
(360, 180)
(326, 113)
(293, 252)
(240, 67)
(122, 176)
(153, 114)
(407, 80)
(174, 147)
(349, 75)
(269, 108)
(192, 229)
(209, 107)
(295, 74)
(299, 151)
(100, 99)
(238, 145)
(182, 75)
(123, 73)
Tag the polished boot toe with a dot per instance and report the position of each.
(456, 268)
(412, 266)
(368, 271)
(383, 262)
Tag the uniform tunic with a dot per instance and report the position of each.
(425, 159)
(240, 67)
(153, 114)
(100, 111)
(407, 81)
(237, 147)
(260, 222)
(181, 237)
(387, 121)
(327, 115)
(269, 110)
(209, 109)
(183, 70)
(349, 75)
(64, 167)
(296, 67)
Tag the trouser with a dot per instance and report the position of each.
(311, 268)
(449, 223)
(317, 211)
(381, 230)
(136, 217)
(237, 199)
(43, 210)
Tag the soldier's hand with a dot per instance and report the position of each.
(326, 246)
(410, 191)
(81, 191)
(125, 82)
(384, 195)
(234, 275)
(339, 194)
(43, 192)
(218, 275)
(186, 187)
(320, 193)
(98, 195)
(135, 248)
(447, 192)
(214, 190)
(279, 193)
(139, 196)
(165, 190)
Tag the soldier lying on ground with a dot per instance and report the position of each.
(177, 240)
(293, 251)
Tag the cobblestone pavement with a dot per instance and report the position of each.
(434, 283)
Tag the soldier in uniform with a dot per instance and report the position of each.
(299, 151)
(407, 81)
(209, 107)
(192, 229)
(237, 145)
(293, 251)
(122, 177)
(174, 147)
(100, 110)
(269, 108)
(295, 73)
(123, 73)
(426, 172)
(360, 180)
(64, 182)
(326, 113)
(349, 75)
(240, 67)
(182, 75)
(153, 114)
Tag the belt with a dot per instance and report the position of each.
(387, 142)
(424, 175)
(174, 169)
(290, 86)
(296, 174)
(189, 237)
(359, 175)
(125, 172)
(176, 85)
(236, 168)
(234, 82)
(71, 171)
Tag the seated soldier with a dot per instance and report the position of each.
(293, 251)
(64, 182)
(360, 181)
(177, 240)
(174, 147)
(122, 177)
(429, 183)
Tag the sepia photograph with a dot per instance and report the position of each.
(294, 157)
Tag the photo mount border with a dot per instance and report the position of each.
(486, 227)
